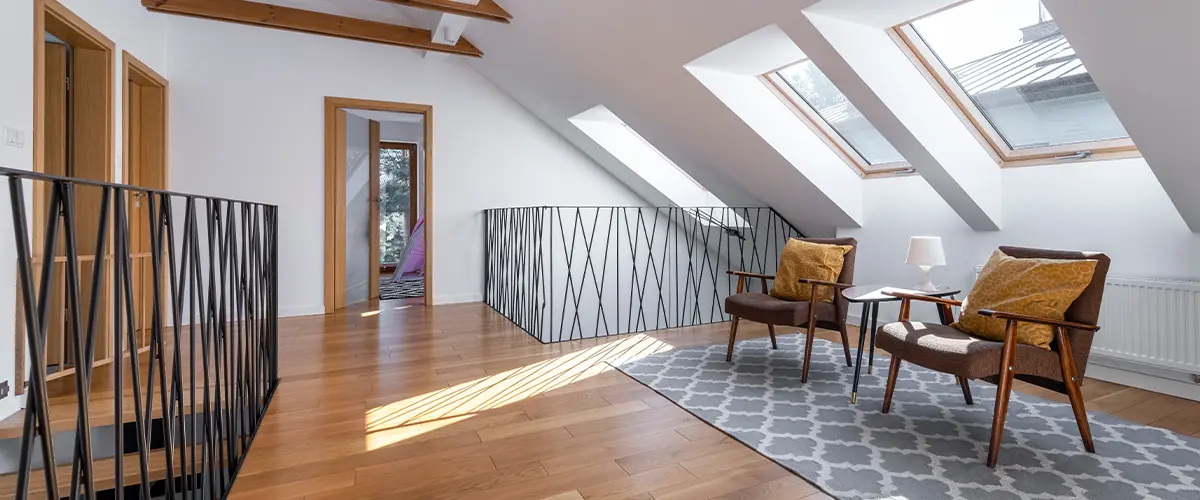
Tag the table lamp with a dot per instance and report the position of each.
(925, 252)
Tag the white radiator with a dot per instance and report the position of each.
(1149, 326)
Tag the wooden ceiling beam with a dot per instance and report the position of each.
(275, 16)
(486, 9)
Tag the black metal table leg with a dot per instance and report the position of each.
(862, 339)
(874, 330)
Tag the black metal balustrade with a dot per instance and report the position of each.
(565, 273)
(199, 386)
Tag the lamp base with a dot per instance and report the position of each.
(926, 284)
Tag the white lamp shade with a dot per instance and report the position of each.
(925, 251)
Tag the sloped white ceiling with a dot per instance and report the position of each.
(561, 57)
(1143, 57)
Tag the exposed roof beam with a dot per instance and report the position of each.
(274, 16)
(486, 9)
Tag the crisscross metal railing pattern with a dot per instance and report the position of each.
(201, 387)
(565, 273)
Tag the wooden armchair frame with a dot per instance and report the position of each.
(1007, 367)
(812, 313)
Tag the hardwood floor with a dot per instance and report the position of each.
(403, 401)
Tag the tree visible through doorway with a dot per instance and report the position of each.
(395, 219)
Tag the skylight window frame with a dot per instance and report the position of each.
(825, 130)
(944, 82)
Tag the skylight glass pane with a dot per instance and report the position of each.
(1017, 67)
(811, 85)
(630, 148)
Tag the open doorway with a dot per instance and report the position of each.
(377, 208)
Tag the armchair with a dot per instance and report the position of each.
(942, 348)
(764, 308)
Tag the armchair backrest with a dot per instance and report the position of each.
(1085, 309)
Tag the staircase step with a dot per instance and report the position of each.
(103, 471)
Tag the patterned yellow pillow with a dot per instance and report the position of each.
(1042, 288)
(801, 259)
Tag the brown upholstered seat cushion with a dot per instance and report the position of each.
(945, 349)
(764, 308)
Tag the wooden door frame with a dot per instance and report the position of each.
(133, 71)
(133, 68)
(335, 194)
(54, 16)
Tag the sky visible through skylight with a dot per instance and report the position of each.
(978, 28)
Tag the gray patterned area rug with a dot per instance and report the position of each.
(931, 446)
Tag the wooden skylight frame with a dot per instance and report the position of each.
(946, 85)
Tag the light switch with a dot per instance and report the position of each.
(14, 137)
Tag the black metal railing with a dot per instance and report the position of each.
(200, 352)
(564, 273)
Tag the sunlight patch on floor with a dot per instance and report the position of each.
(402, 420)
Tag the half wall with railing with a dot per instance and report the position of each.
(565, 273)
(147, 339)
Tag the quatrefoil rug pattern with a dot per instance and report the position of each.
(932, 445)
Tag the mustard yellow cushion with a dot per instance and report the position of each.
(1042, 288)
(801, 259)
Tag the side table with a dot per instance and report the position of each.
(870, 296)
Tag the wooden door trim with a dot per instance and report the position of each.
(335, 189)
(373, 212)
(134, 69)
(54, 16)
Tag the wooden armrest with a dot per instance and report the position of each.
(924, 298)
(750, 275)
(1033, 319)
(825, 283)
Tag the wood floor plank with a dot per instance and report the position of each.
(784, 488)
(563, 420)
(637, 484)
(706, 487)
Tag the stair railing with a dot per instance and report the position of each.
(200, 383)
(565, 273)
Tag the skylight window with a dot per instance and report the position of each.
(1017, 81)
(643, 158)
(827, 110)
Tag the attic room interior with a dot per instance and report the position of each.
(620, 249)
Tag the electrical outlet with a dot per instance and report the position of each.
(4, 389)
(14, 137)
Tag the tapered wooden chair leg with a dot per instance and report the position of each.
(771, 330)
(810, 335)
(1071, 379)
(808, 348)
(893, 374)
(966, 389)
(1003, 393)
(732, 335)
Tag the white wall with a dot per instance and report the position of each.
(247, 104)
(132, 29)
(1116, 207)
(358, 209)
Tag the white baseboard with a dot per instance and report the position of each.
(457, 298)
(293, 311)
(1150, 383)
